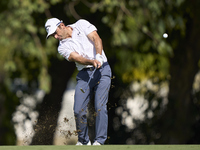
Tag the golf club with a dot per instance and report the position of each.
(83, 90)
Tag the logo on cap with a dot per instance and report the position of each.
(47, 28)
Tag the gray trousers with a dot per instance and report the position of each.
(99, 88)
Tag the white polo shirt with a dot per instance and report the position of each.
(80, 43)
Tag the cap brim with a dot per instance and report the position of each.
(48, 35)
(51, 32)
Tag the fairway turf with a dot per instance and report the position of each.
(105, 147)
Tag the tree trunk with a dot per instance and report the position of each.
(61, 72)
(180, 116)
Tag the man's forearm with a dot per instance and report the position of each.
(94, 37)
(98, 46)
(75, 57)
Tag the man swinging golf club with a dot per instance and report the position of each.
(80, 43)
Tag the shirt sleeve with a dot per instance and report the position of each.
(86, 26)
(66, 48)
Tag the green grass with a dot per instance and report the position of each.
(105, 147)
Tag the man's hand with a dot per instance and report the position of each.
(96, 63)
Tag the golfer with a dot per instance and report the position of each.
(80, 43)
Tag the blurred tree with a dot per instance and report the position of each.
(138, 28)
(26, 55)
(182, 109)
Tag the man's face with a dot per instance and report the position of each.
(60, 33)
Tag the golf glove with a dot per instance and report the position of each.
(99, 58)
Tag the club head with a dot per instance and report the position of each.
(82, 90)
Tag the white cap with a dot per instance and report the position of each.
(51, 25)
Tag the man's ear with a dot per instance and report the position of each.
(62, 24)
